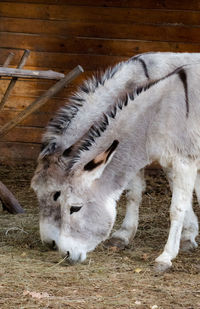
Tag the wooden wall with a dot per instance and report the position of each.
(92, 33)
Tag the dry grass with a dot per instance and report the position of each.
(32, 277)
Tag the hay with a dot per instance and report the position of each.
(31, 276)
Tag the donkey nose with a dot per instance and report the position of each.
(65, 255)
(52, 245)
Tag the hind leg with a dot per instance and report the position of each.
(197, 187)
(127, 231)
(190, 225)
(190, 231)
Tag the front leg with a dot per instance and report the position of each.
(127, 231)
(190, 225)
(183, 180)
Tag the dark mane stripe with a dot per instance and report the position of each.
(183, 77)
(144, 67)
(98, 128)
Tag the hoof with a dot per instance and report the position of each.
(115, 243)
(188, 245)
(161, 268)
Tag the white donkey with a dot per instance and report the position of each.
(156, 124)
(48, 176)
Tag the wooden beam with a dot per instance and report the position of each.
(30, 74)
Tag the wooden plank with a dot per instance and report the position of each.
(24, 134)
(166, 4)
(110, 47)
(25, 90)
(21, 102)
(60, 61)
(98, 14)
(38, 119)
(11, 152)
(110, 30)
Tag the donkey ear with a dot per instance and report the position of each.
(96, 166)
(47, 149)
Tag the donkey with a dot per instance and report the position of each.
(62, 132)
(158, 122)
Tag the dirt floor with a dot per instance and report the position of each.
(32, 277)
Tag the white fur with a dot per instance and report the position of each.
(129, 225)
(49, 231)
(184, 175)
(68, 245)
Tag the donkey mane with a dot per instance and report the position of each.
(100, 126)
(64, 116)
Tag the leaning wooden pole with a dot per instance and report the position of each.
(8, 60)
(14, 79)
(41, 100)
(8, 200)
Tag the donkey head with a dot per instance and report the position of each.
(75, 211)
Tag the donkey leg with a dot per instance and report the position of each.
(184, 175)
(127, 231)
(197, 187)
(190, 224)
(189, 231)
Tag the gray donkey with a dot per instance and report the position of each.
(51, 175)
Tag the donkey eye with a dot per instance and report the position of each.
(75, 209)
(56, 195)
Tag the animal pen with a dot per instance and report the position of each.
(54, 39)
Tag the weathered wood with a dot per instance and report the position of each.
(37, 119)
(41, 101)
(100, 46)
(18, 152)
(30, 74)
(175, 33)
(24, 135)
(8, 60)
(147, 4)
(65, 61)
(14, 80)
(20, 102)
(31, 89)
(9, 202)
(101, 15)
